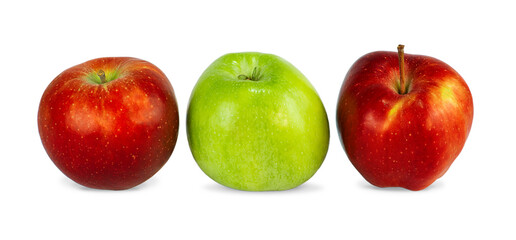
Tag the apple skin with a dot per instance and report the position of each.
(112, 135)
(407, 140)
(266, 134)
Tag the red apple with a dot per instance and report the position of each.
(403, 131)
(109, 123)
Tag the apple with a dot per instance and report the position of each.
(403, 119)
(109, 123)
(255, 123)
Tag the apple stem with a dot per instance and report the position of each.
(401, 61)
(102, 76)
(254, 75)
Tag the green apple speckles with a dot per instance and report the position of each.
(255, 123)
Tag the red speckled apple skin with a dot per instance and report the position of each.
(407, 140)
(114, 135)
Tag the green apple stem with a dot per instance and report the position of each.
(254, 75)
(401, 61)
(102, 76)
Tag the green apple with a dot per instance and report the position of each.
(255, 123)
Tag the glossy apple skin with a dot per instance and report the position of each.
(114, 135)
(265, 135)
(407, 140)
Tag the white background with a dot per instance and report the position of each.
(40, 39)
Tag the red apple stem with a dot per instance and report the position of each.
(102, 76)
(401, 61)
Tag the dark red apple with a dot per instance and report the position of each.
(403, 131)
(109, 123)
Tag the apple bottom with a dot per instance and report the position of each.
(112, 163)
(406, 151)
(273, 159)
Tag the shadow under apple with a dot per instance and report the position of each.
(304, 188)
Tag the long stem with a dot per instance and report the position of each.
(102, 76)
(401, 61)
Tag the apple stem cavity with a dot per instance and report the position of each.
(102, 76)
(254, 75)
(401, 61)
